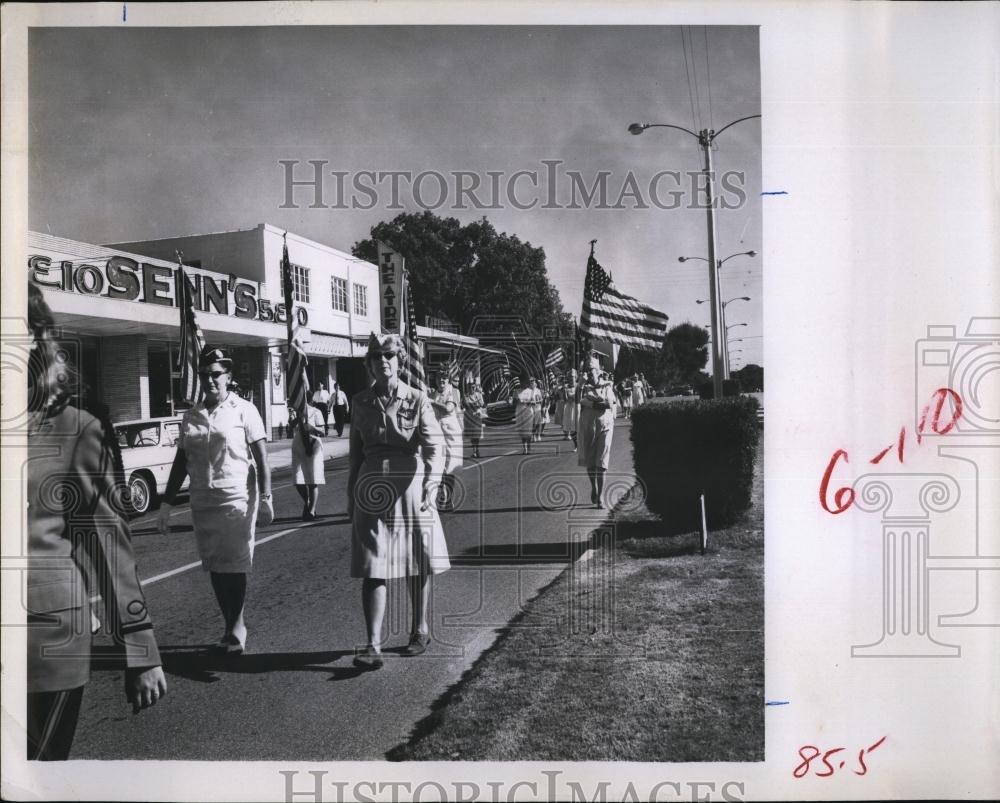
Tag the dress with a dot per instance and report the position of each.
(596, 426)
(475, 414)
(223, 482)
(75, 516)
(571, 408)
(308, 469)
(451, 426)
(638, 393)
(395, 453)
(529, 402)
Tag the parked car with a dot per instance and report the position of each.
(681, 390)
(499, 412)
(148, 447)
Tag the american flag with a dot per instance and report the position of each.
(192, 340)
(453, 371)
(611, 315)
(411, 367)
(556, 356)
(298, 380)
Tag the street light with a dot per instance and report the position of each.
(706, 137)
(725, 351)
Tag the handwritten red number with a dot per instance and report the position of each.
(844, 497)
(803, 769)
(861, 756)
(829, 766)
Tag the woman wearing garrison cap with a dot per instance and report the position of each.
(223, 446)
(392, 483)
(595, 427)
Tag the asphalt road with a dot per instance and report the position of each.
(295, 693)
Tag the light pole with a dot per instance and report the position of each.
(725, 351)
(706, 137)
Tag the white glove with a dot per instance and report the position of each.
(163, 520)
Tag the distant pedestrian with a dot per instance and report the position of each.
(447, 403)
(638, 391)
(308, 471)
(395, 465)
(341, 409)
(596, 428)
(529, 400)
(571, 406)
(475, 416)
(626, 397)
(321, 399)
(76, 527)
(223, 446)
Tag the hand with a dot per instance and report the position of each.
(265, 512)
(163, 519)
(143, 687)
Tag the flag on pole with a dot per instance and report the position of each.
(298, 380)
(555, 358)
(453, 371)
(611, 315)
(411, 368)
(192, 339)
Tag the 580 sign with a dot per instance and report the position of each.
(933, 414)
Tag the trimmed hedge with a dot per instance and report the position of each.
(684, 449)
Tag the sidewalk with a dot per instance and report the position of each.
(279, 452)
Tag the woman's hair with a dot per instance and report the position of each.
(379, 344)
(51, 378)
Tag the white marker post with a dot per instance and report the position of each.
(704, 526)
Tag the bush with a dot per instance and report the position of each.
(730, 387)
(682, 450)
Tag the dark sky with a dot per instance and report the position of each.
(143, 133)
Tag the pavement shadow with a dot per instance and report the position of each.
(202, 664)
(323, 518)
(515, 554)
(523, 509)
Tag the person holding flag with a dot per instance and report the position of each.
(529, 403)
(596, 427)
(475, 414)
(571, 406)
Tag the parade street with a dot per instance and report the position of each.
(295, 693)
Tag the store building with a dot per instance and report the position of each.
(116, 308)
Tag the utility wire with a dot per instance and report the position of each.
(708, 69)
(694, 69)
(687, 69)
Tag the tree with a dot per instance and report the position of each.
(685, 353)
(464, 272)
(751, 377)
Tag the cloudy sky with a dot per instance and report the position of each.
(143, 133)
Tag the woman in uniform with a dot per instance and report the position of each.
(596, 427)
(76, 515)
(223, 447)
(475, 415)
(447, 403)
(307, 461)
(395, 468)
(529, 402)
(571, 406)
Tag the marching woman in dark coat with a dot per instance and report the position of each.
(76, 516)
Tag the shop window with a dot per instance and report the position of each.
(300, 284)
(338, 288)
(361, 301)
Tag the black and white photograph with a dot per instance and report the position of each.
(528, 260)
(388, 406)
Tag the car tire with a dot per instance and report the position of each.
(142, 494)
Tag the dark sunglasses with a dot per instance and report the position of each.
(387, 355)
(212, 374)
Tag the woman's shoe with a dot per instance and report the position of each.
(593, 497)
(369, 659)
(418, 644)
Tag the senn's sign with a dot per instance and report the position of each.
(124, 278)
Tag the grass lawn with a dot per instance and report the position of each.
(645, 651)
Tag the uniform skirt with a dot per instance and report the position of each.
(594, 433)
(224, 523)
(391, 536)
(569, 416)
(525, 419)
(451, 440)
(307, 469)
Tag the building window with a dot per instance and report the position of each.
(300, 284)
(361, 300)
(339, 290)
